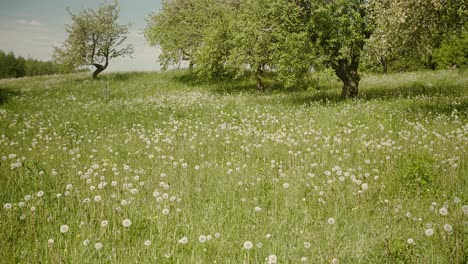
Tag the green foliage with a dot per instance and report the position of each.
(94, 38)
(294, 38)
(453, 51)
(178, 28)
(14, 67)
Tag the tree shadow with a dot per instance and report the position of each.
(231, 85)
(7, 93)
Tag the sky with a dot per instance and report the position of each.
(31, 28)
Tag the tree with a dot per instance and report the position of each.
(340, 29)
(424, 24)
(271, 35)
(177, 29)
(94, 39)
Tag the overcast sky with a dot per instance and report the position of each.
(30, 28)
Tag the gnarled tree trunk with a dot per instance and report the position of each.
(347, 72)
(99, 69)
(258, 78)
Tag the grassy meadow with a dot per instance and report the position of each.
(161, 168)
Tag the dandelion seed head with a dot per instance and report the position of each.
(98, 246)
(64, 229)
(183, 240)
(202, 239)
(127, 222)
(448, 228)
(331, 220)
(443, 211)
(248, 245)
(429, 232)
(272, 259)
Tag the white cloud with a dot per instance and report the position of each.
(28, 22)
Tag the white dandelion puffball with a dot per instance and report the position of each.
(272, 259)
(50, 242)
(335, 261)
(126, 222)
(331, 220)
(165, 211)
(104, 223)
(429, 232)
(98, 246)
(248, 245)
(410, 241)
(147, 243)
(307, 245)
(64, 229)
(443, 211)
(364, 186)
(97, 198)
(183, 240)
(202, 239)
(448, 228)
(465, 209)
(7, 206)
(85, 242)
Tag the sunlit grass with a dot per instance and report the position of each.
(159, 167)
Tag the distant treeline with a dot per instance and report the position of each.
(12, 66)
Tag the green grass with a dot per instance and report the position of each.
(234, 165)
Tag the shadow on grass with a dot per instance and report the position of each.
(7, 93)
(230, 85)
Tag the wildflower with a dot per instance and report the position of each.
(248, 245)
(410, 241)
(183, 240)
(303, 259)
(202, 239)
(7, 206)
(126, 222)
(40, 194)
(97, 198)
(272, 259)
(364, 186)
(465, 209)
(98, 246)
(258, 209)
(209, 237)
(50, 242)
(104, 223)
(259, 245)
(307, 245)
(85, 242)
(165, 211)
(448, 228)
(331, 220)
(443, 211)
(429, 232)
(147, 243)
(286, 185)
(456, 200)
(335, 261)
(64, 229)
(217, 235)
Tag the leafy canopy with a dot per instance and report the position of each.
(94, 38)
